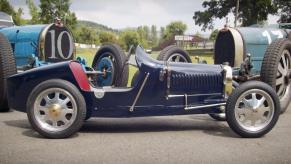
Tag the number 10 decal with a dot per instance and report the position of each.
(59, 45)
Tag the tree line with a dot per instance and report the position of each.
(88, 32)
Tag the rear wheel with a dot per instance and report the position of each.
(276, 70)
(135, 78)
(111, 57)
(7, 68)
(174, 54)
(252, 109)
(56, 109)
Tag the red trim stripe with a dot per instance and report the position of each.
(80, 75)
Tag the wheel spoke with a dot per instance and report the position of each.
(279, 81)
(178, 59)
(57, 96)
(67, 111)
(46, 117)
(280, 90)
(246, 111)
(43, 108)
(64, 120)
(55, 122)
(47, 100)
(253, 120)
(284, 60)
(246, 118)
(64, 103)
(281, 69)
(261, 102)
(253, 102)
(247, 102)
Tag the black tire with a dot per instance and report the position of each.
(221, 116)
(270, 73)
(289, 36)
(117, 55)
(66, 121)
(7, 68)
(135, 78)
(170, 53)
(245, 117)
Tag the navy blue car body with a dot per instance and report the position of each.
(202, 84)
(59, 97)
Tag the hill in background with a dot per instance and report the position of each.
(97, 28)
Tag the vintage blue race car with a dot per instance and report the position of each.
(59, 97)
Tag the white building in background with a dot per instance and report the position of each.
(86, 45)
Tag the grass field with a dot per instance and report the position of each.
(89, 54)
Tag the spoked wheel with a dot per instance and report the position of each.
(221, 116)
(110, 59)
(174, 54)
(56, 109)
(252, 109)
(7, 68)
(276, 70)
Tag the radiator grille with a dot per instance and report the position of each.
(196, 80)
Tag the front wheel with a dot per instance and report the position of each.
(56, 109)
(252, 109)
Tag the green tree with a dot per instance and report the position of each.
(85, 35)
(162, 35)
(107, 37)
(8, 9)
(130, 37)
(154, 36)
(214, 34)
(174, 28)
(51, 9)
(146, 33)
(121, 44)
(250, 12)
(285, 10)
(144, 43)
(198, 34)
(34, 12)
(140, 31)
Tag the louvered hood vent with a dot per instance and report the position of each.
(196, 80)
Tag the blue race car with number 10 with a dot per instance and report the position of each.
(59, 97)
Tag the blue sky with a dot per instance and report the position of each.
(120, 14)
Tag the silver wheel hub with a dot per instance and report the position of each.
(55, 109)
(254, 110)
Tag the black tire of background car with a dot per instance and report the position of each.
(222, 117)
(289, 36)
(7, 68)
(135, 78)
(167, 52)
(270, 67)
(232, 100)
(121, 78)
(78, 98)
